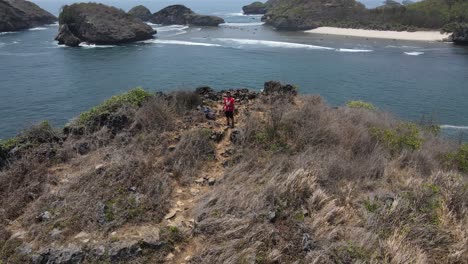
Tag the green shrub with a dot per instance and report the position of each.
(404, 136)
(134, 97)
(360, 104)
(459, 158)
(7, 144)
(370, 206)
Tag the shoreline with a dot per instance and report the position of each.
(378, 34)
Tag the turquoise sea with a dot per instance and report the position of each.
(40, 80)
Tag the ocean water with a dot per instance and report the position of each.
(40, 80)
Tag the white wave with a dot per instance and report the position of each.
(53, 25)
(151, 24)
(271, 44)
(5, 33)
(414, 53)
(454, 127)
(172, 28)
(179, 42)
(253, 24)
(178, 33)
(353, 50)
(37, 28)
(92, 46)
(402, 47)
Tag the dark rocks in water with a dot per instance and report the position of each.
(100, 24)
(66, 37)
(20, 14)
(274, 87)
(182, 15)
(141, 12)
(460, 35)
(256, 8)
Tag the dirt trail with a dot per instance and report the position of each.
(186, 198)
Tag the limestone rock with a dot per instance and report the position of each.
(141, 12)
(20, 14)
(182, 15)
(100, 24)
(256, 8)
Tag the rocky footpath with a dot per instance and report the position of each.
(256, 8)
(140, 12)
(19, 14)
(100, 24)
(182, 15)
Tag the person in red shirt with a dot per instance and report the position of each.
(229, 108)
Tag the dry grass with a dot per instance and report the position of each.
(307, 184)
(321, 188)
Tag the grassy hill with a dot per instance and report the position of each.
(147, 178)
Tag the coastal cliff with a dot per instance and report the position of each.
(19, 14)
(309, 14)
(158, 178)
(99, 24)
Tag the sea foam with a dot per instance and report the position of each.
(92, 46)
(37, 28)
(252, 24)
(179, 42)
(353, 50)
(414, 53)
(454, 127)
(171, 28)
(271, 44)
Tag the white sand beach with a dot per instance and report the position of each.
(397, 35)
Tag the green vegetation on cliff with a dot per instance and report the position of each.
(426, 14)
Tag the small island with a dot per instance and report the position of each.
(18, 15)
(182, 15)
(100, 24)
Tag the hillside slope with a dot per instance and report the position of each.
(152, 178)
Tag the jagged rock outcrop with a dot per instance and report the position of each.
(256, 8)
(182, 15)
(275, 87)
(309, 14)
(19, 14)
(140, 12)
(100, 24)
(460, 35)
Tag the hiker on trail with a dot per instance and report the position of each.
(229, 109)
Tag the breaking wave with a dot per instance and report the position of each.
(37, 28)
(171, 28)
(414, 53)
(271, 44)
(253, 24)
(454, 127)
(179, 42)
(92, 46)
(353, 50)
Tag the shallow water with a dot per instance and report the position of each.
(41, 80)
